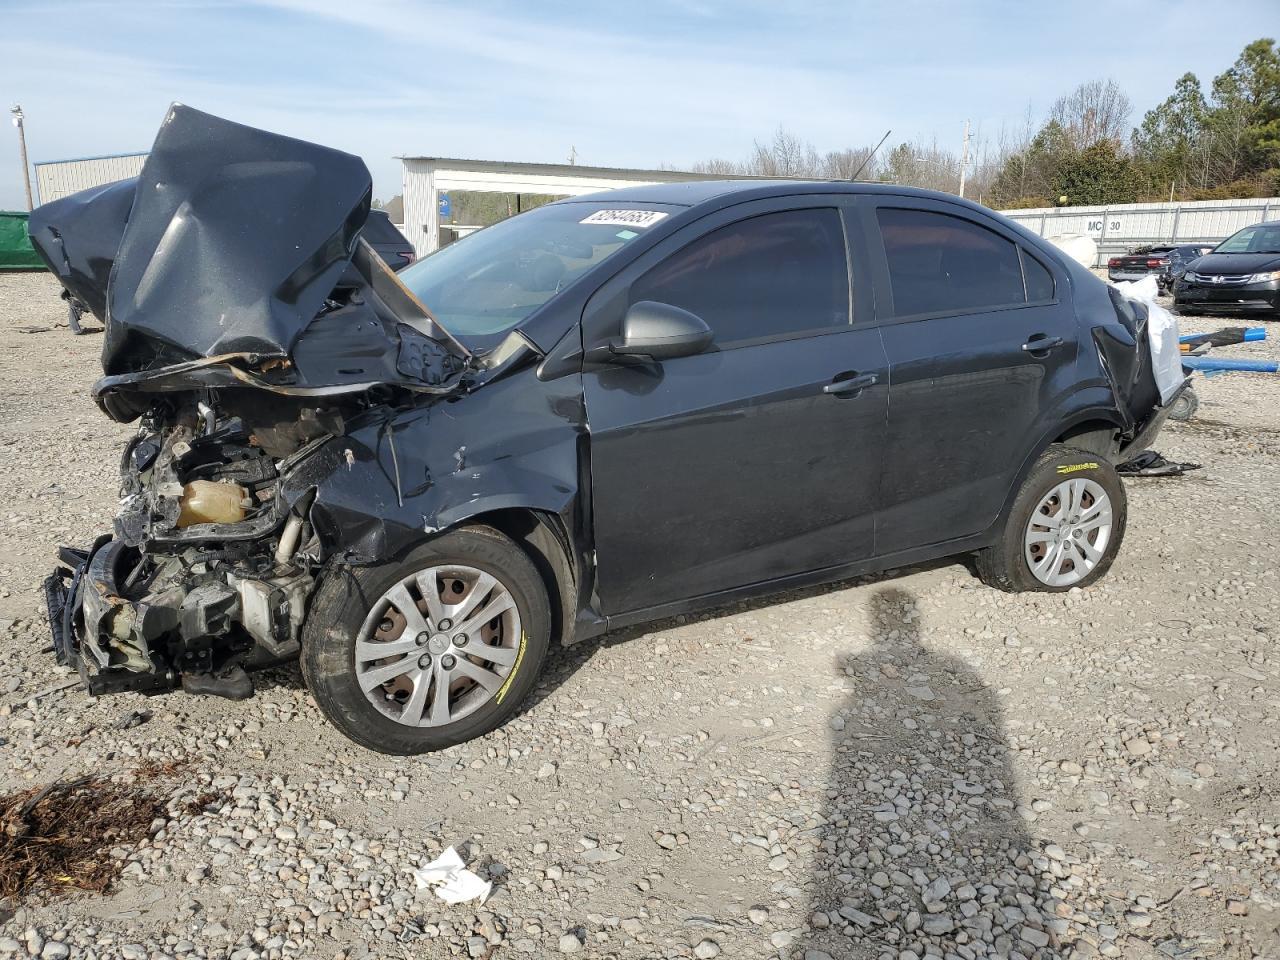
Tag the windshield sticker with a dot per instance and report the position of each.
(625, 218)
(626, 234)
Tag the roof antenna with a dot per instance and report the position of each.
(871, 154)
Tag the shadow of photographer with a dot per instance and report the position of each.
(923, 851)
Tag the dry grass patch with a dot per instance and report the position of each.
(58, 837)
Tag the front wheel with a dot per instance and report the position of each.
(1064, 529)
(430, 650)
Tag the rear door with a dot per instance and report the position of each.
(981, 342)
(759, 458)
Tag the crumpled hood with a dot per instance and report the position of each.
(78, 236)
(235, 239)
(219, 266)
(227, 243)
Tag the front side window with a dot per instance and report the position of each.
(1261, 238)
(771, 276)
(944, 264)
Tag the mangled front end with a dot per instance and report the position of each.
(239, 341)
(208, 570)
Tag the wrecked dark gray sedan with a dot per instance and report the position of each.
(604, 411)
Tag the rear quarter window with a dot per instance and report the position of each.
(1039, 279)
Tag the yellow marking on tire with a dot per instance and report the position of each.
(502, 691)
(1077, 467)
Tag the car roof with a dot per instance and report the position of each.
(691, 193)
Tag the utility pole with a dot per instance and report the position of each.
(964, 158)
(573, 155)
(22, 151)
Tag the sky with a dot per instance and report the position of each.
(636, 84)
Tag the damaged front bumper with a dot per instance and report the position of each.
(209, 569)
(187, 622)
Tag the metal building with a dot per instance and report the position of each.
(57, 178)
(425, 178)
(1120, 227)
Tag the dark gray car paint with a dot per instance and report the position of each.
(700, 478)
(235, 239)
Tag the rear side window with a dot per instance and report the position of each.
(772, 276)
(1039, 279)
(941, 264)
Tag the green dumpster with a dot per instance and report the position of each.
(16, 252)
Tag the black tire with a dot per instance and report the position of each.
(1004, 565)
(1185, 406)
(345, 597)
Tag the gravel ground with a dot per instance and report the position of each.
(896, 767)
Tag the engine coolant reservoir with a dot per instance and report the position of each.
(204, 501)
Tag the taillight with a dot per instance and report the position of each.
(1155, 263)
(408, 257)
(1113, 262)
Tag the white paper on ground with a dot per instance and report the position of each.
(452, 881)
(1162, 335)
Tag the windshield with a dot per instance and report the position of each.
(1260, 238)
(485, 284)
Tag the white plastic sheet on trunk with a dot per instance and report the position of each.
(1162, 335)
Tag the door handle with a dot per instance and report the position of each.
(850, 383)
(1039, 343)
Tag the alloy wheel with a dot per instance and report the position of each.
(438, 645)
(1068, 532)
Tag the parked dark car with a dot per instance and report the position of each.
(605, 411)
(1240, 275)
(387, 241)
(1167, 262)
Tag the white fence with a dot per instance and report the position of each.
(1120, 227)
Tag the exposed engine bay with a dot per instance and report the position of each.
(208, 571)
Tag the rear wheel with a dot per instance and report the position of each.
(1065, 527)
(430, 650)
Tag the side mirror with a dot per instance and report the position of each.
(659, 331)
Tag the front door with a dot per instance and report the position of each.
(759, 458)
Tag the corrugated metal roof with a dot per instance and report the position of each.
(103, 156)
(573, 169)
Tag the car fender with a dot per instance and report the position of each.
(400, 476)
(1090, 404)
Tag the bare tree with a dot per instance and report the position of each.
(924, 165)
(786, 155)
(1094, 111)
(717, 167)
(843, 164)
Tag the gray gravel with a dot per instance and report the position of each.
(898, 767)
